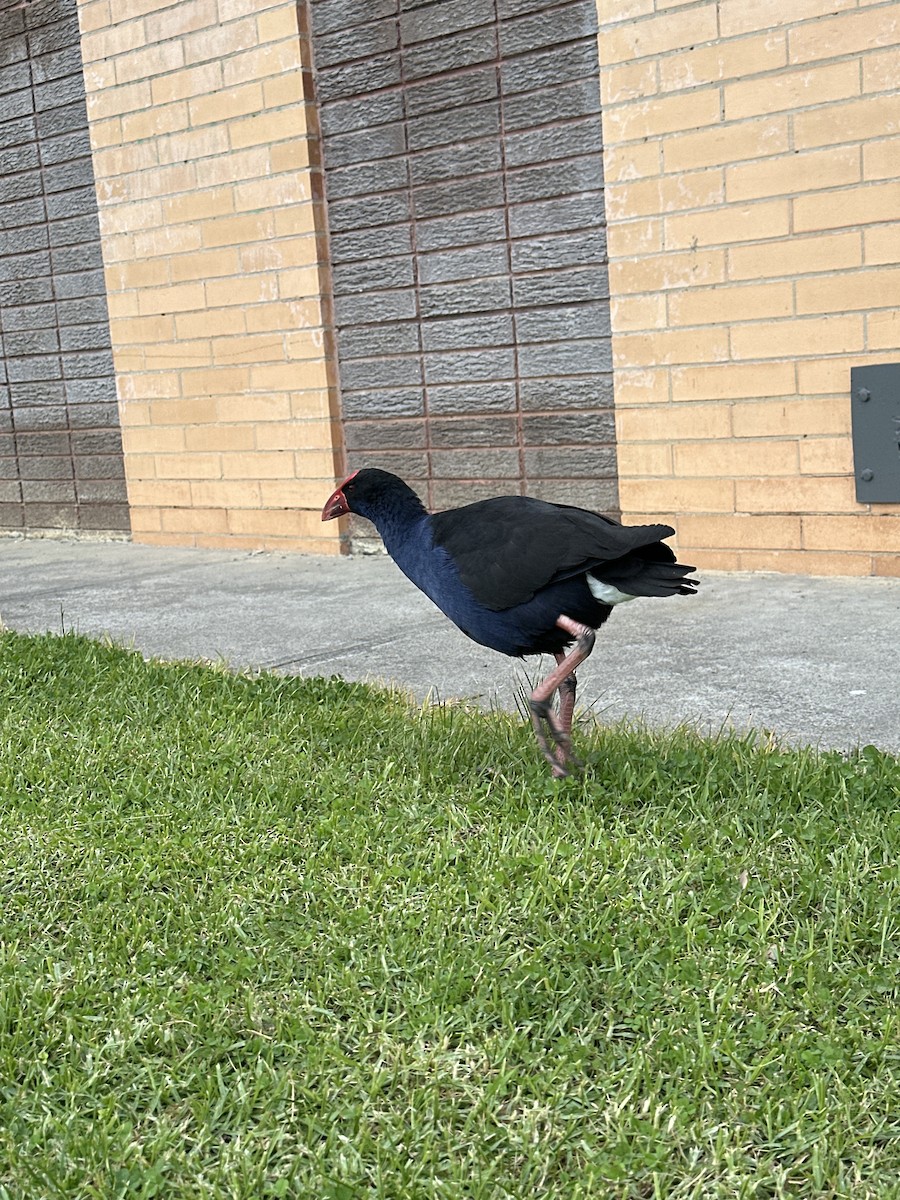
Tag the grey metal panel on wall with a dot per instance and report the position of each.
(464, 179)
(61, 463)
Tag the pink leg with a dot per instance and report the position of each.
(541, 711)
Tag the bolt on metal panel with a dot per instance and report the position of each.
(875, 410)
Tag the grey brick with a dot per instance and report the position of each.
(40, 416)
(384, 435)
(23, 240)
(16, 78)
(560, 250)
(445, 19)
(563, 324)
(103, 489)
(555, 179)
(382, 242)
(381, 372)
(16, 159)
(12, 31)
(79, 283)
(87, 364)
(24, 266)
(74, 203)
(475, 463)
(457, 162)
(110, 518)
(56, 121)
(496, 397)
(97, 441)
(84, 337)
(455, 125)
(45, 466)
(87, 308)
(89, 394)
(30, 341)
(549, 142)
(357, 79)
(383, 402)
(598, 495)
(74, 173)
(563, 428)
(409, 464)
(355, 42)
(344, 116)
(464, 230)
(462, 195)
(472, 262)
(455, 299)
(567, 461)
(578, 99)
(473, 366)
(463, 333)
(519, 35)
(372, 210)
(452, 494)
(568, 212)
(11, 515)
(375, 306)
(46, 39)
(51, 516)
(25, 393)
(50, 11)
(93, 416)
(473, 431)
(375, 273)
(561, 65)
(450, 53)
(515, 8)
(23, 212)
(9, 470)
(21, 185)
(56, 66)
(68, 259)
(34, 369)
(99, 466)
(54, 490)
(585, 357)
(74, 230)
(542, 394)
(329, 16)
(72, 145)
(456, 91)
(361, 180)
(364, 145)
(60, 91)
(369, 341)
(13, 132)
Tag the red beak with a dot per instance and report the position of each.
(336, 505)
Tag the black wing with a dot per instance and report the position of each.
(508, 548)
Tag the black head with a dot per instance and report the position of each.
(366, 492)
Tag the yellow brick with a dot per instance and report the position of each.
(733, 459)
(153, 329)
(293, 493)
(630, 81)
(219, 437)
(239, 407)
(883, 244)
(185, 17)
(671, 346)
(155, 385)
(729, 224)
(280, 22)
(811, 335)
(150, 61)
(805, 562)
(215, 381)
(220, 42)
(726, 143)
(125, 160)
(106, 133)
(283, 315)
(642, 385)
(299, 284)
(225, 493)
(252, 290)
(216, 106)
(268, 192)
(805, 494)
(284, 522)
(145, 520)
(685, 269)
(676, 495)
(623, 163)
(792, 417)
(188, 82)
(171, 299)
(887, 565)
(672, 422)
(237, 230)
(622, 10)
(879, 71)
(638, 312)
(795, 256)
(116, 39)
(644, 459)
(737, 16)
(852, 206)
(649, 118)
(297, 219)
(656, 35)
(827, 377)
(161, 118)
(853, 121)
(93, 16)
(881, 160)
(710, 306)
(204, 264)
(112, 102)
(863, 532)
(253, 349)
(794, 89)
(627, 238)
(193, 144)
(198, 206)
(284, 89)
(826, 456)
(99, 76)
(860, 289)
(883, 330)
(183, 412)
(693, 189)
(262, 62)
(163, 492)
(740, 531)
(210, 323)
(194, 520)
(137, 274)
(728, 381)
(232, 166)
(150, 439)
(188, 466)
(261, 128)
(294, 155)
(791, 173)
(849, 33)
(296, 435)
(724, 60)
(280, 253)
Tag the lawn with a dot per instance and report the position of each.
(273, 937)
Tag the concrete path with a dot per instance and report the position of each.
(815, 660)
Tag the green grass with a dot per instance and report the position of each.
(267, 937)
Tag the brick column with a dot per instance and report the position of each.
(205, 155)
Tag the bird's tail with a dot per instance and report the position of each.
(648, 572)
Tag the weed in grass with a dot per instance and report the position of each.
(280, 937)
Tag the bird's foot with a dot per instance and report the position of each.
(559, 754)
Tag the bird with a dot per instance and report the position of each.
(521, 576)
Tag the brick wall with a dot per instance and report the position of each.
(60, 445)
(752, 165)
(463, 168)
(204, 147)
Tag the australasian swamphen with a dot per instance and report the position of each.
(519, 575)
